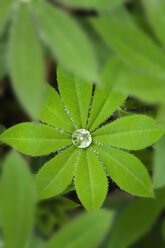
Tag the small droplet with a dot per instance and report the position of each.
(81, 138)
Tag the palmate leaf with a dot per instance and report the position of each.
(53, 111)
(136, 220)
(131, 44)
(17, 201)
(86, 231)
(57, 174)
(66, 40)
(155, 11)
(159, 162)
(90, 180)
(126, 170)
(26, 62)
(35, 139)
(4, 12)
(133, 132)
(76, 94)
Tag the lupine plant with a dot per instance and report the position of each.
(82, 122)
(88, 151)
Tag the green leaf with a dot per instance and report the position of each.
(3, 64)
(144, 86)
(90, 180)
(155, 11)
(136, 220)
(126, 170)
(35, 139)
(57, 174)
(163, 230)
(76, 94)
(66, 40)
(131, 44)
(64, 203)
(53, 111)
(121, 14)
(4, 12)
(18, 199)
(26, 62)
(94, 3)
(159, 164)
(105, 100)
(35, 242)
(2, 128)
(85, 231)
(133, 132)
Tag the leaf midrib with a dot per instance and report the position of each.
(90, 181)
(36, 139)
(129, 131)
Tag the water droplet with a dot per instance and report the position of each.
(81, 138)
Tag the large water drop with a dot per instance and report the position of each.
(81, 138)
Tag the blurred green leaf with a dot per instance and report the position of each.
(131, 44)
(120, 13)
(155, 11)
(26, 62)
(65, 203)
(76, 94)
(57, 174)
(126, 170)
(53, 111)
(133, 132)
(159, 164)
(2, 128)
(5, 11)
(66, 40)
(35, 242)
(18, 199)
(53, 213)
(146, 157)
(94, 3)
(1, 244)
(3, 64)
(147, 87)
(102, 51)
(90, 180)
(136, 220)
(163, 230)
(144, 86)
(85, 231)
(35, 139)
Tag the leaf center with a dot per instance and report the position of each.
(81, 138)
